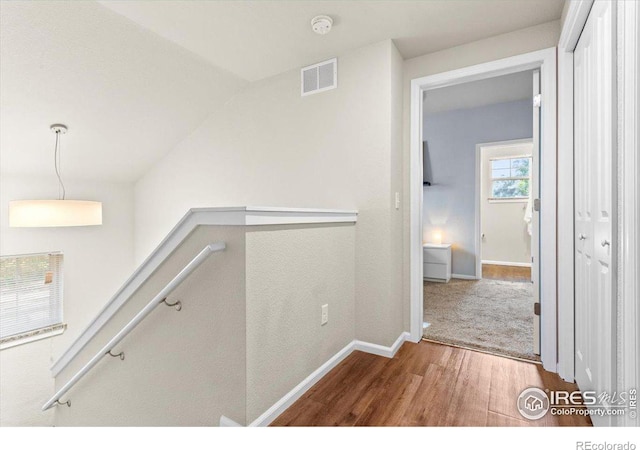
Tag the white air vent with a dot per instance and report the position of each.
(319, 77)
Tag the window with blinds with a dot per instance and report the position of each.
(510, 177)
(30, 293)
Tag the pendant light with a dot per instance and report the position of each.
(55, 213)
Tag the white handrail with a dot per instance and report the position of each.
(159, 298)
(243, 216)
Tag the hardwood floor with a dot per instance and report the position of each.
(506, 273)
(425, 384)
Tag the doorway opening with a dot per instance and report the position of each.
(479, 161)
(462, 238)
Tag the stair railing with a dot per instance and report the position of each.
(161, 297)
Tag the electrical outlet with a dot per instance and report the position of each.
(397, 200)
(325, 314)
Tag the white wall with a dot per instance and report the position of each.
(183, 368)
(249, 330)
(505, 232)
(397, 182)
(291, 272)
(25, 384)
(501, 46)
(270, 146)
(96, 262)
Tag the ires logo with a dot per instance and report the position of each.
(592, 398)
(534, 403)
(576, 398)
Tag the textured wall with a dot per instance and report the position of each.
(397, 181)
(181, 368)
(501, 46)
(245, 337)
(291, 273)
(25, 384)
(270, 146)
(451, 136)
(96, 261)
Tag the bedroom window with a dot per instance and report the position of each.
(30, 297)
(510, 178)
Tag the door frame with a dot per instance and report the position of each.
(577, 15)
(628, 28)
(545, 60)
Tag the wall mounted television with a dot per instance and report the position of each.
(427, 176)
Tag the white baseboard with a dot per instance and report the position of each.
(226, 422)
(463, 277)
(294, 394)
(381, 350)
(506, 263)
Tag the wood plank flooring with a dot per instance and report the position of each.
(506, 273)
(425, 384)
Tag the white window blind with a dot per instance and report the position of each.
(30, 292)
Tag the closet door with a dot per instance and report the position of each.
(594, 207)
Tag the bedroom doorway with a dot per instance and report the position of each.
(466, 263)
(478, 215)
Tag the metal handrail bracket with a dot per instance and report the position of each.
(144, 312)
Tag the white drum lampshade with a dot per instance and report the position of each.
(54, 213)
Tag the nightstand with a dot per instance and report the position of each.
(437, 262)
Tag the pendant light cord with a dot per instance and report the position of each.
(56, 161)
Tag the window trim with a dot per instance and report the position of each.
(498, 158)
(508, 199)
(32, 336)
(45, 332)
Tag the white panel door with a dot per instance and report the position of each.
(594, 206)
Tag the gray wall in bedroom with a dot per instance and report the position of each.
(451, 138)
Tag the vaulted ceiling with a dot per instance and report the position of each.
(126, 94)
(132, 78)
(257, 39)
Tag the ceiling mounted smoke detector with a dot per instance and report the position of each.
(321, 24)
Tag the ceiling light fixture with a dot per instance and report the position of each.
(321, 24)
(55, 213)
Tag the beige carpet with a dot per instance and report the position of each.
(491, 315)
